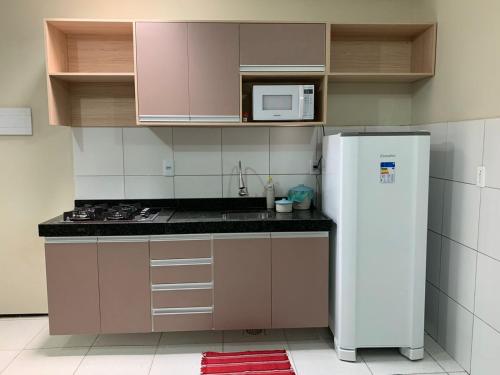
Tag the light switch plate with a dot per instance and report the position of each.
(168, 167)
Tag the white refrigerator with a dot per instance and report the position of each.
(375, 188)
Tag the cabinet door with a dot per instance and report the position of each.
(125, 291)
(214, 79)
(162, 71)
(242, 281)
(72, 287)
(299, 279)
(275, 45)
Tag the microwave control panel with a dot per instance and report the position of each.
(308, 110)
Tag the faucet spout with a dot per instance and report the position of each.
(242, 189)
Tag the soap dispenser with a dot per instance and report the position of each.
(270, 193)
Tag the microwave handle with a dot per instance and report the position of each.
(301, 102)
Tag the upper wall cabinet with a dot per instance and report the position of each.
(188, 72)
(382, 52)
(162, 71)
(282, 47)
(90, 73)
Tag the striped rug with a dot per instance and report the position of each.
(258, 362)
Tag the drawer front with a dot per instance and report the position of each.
(182, 298)
(195, 273)
(183, 322)
(182, 249)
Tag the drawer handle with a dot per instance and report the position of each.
(180, 262)
(182, 310)
(181, 286)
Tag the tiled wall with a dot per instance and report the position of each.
(128, 162)
(463, 256)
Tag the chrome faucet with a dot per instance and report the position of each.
(242, 188)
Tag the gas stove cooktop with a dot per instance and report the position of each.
(105, 213)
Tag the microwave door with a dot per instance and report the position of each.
(276, 103)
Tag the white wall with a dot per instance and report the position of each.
(463, 258)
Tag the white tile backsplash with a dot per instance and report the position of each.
(99, 187)
(464, 150)
(431, 309)
(97, 151)
(458, 272)
(487, 294)
(438, 147)
(433, 257)
(491, 158)
(144, 150)
(149, 187)
(435, 212)
(461, 212)
(489, 233)
(455, 330)
(198, 186)
(292, 150)
(485, 349)
(283, 183)
(255, 185)
(197, 151)
(250, 145)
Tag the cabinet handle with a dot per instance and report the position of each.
(180, 262)
(181, 286)
(182, 310)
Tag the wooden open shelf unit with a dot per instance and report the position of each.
(382, 53)
(90, 72)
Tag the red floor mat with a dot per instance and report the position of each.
(258, 362)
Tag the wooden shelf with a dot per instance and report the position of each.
(94, 77)
(235, 124)
(377, 77)
(382, 53)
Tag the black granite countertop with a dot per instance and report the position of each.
(183, 216)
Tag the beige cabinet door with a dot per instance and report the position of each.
(125, 289)
(72, 287)
(214, 79)
(299, 280)
(242, 281)
(282, 44)
(162, 71)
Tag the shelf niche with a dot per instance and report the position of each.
(382, 52)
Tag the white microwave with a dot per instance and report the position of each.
(283, 102)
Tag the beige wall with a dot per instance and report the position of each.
(467, 81)
(36, 172)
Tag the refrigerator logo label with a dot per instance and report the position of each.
(387, 172)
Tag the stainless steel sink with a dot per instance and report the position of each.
(245, 215)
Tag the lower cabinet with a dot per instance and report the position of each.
(124, 286)
(242, 280)
(72, 285)
(299, 279)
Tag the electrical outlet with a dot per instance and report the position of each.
(168, 167)
(481, 176)
(314, 167)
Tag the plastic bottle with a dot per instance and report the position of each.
(270, 193)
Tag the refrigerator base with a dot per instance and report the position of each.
(413, 354)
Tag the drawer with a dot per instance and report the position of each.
(183, 321)
(182, 298)
(189, 273)
(180, 247)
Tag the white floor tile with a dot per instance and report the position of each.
(46, 362)
(439, 354)
(180, 360)
(134, 360)
(390, 361)
(319, 358)
(17, 333)
(129, 339)
(184, 338)
(45, 341)
(6, 357)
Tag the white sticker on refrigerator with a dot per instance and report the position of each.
(387, 172)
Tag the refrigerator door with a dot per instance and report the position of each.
(377, 187)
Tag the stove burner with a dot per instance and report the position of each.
(120, 212)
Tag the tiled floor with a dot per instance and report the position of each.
(26, 348)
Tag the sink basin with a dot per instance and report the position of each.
(245, 215)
